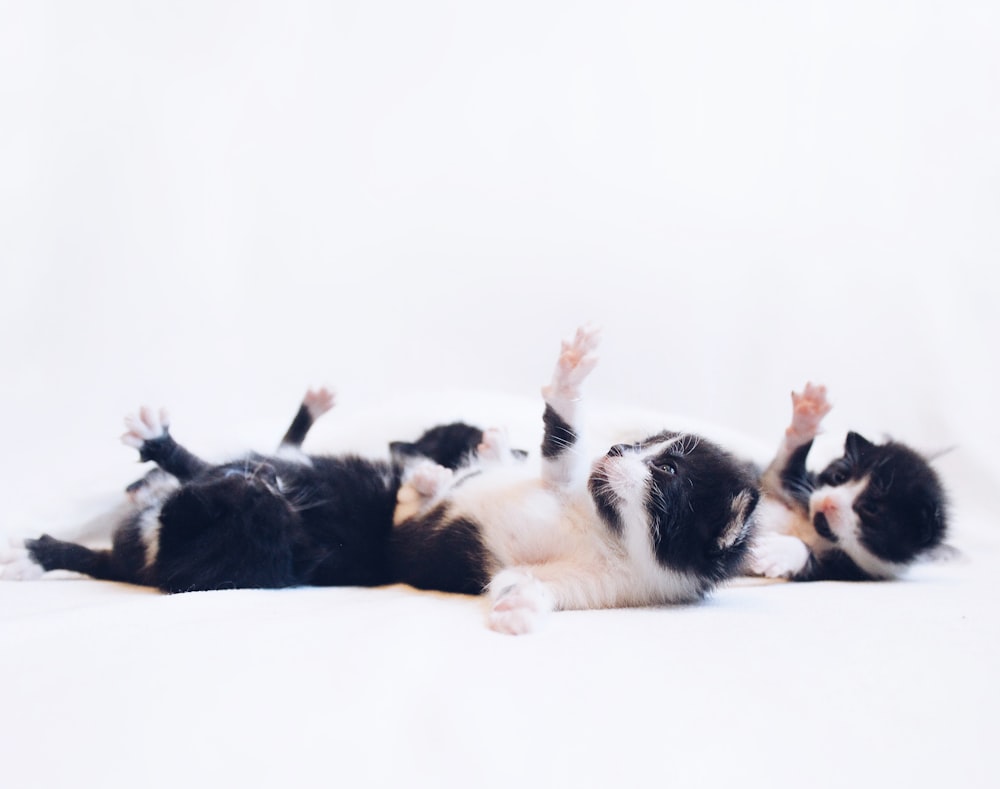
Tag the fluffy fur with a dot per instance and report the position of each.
(868, 515)
(259, 521)
(661, 521)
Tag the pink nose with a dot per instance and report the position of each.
(826, 505)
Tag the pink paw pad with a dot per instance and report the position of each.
(318, 401)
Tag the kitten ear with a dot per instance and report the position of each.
(741, 520)
(856, 445)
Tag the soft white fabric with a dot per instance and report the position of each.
(212, 205)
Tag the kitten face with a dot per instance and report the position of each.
(694, 500)
(881, 500)
(234, 521)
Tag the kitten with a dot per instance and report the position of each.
(868, 515)
(260, 521)
(661, 521)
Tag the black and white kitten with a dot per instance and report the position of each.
(660, 521)
(868, 515)
(260, 521)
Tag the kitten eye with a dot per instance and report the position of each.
(667, 468)
(838, 476)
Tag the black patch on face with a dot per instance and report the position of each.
(435, 552)
(822, 526)
(558, 437)
(902, 508)
(605, 499)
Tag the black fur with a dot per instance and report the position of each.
(558, 436)
(256, 522)
(438, 553)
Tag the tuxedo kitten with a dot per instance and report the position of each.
(260, 521)
(868, 515)
(661, 521)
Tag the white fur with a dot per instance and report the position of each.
(149, 533)
(16, 563)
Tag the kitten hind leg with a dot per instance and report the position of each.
(52, 554)
(561, 458)
(148, 431)
(315, 403)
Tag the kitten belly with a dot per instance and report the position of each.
(522, 521)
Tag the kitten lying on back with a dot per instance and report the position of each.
(868, 515)
(259, 521)
(661, 521)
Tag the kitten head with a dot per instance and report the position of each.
(882, 504)
(693, 502)
(449, 445)
(229, 528)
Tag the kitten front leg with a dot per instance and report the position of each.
(519, 602)
(778, 556)
(315, 403)
(148, 432)
(48, 553)
(561, 459)
(786, 476)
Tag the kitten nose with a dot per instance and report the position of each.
(618, 450)
(826, 504)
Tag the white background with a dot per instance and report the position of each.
(212, 205)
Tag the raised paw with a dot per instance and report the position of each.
(318, 401)
(808, 409)
(576, 361)
(145, 426)
(778, 556)
(520, 603)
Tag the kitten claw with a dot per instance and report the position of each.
(145, 426)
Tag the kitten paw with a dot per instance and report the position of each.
(520, 603)
(318, 401)
(808, 409)
(16, 563)
(778, 556)
(576, 361)
(429, 479)
(147, 425)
